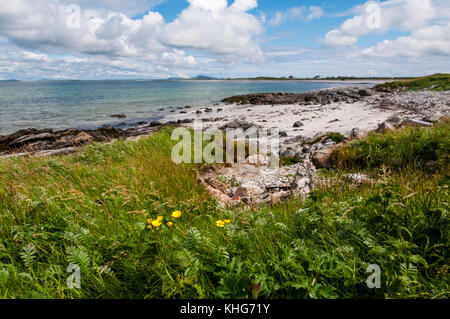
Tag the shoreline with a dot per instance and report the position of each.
(340, 110)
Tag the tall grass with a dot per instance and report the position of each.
(436, 82)
(91, 209)
(409, 146)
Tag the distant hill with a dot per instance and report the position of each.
(11, 80)
(204, 77)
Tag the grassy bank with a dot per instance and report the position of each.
(436, 82)
(91, 209)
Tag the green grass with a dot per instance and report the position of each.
(409, 146)
(436, 82)
(90, 209)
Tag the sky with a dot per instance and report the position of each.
(154, 39)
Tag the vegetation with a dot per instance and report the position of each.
(406, 147)
(436, 82)
(92, 209)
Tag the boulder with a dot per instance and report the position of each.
(395, 120)
(298, 124)
(287, 153)
(82, 138)
(365, 92)
(384, 127)
(31, 138)
(304, 179)
(322, 158)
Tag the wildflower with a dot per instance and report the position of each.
(220, 223)
(149, 227)
(149, 221)
(227, 221)
(176, 214)
(160, 218)
(156, 223)
(170, 224)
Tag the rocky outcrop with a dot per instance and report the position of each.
(322, 97)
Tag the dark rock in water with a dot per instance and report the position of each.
(298, 124)
(183, 112)
(185, 121)
(141, 123)
(119, 116)
(188, 107)
(155, 123)
(199, 112)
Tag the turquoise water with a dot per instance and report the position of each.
(89, 104)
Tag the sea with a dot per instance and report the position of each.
(91, 104)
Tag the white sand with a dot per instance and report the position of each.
(337, 117)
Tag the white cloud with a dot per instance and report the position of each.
(209, 25)
(297, 13)
(432, 40)
(215, 27)
(314, 13)
(401, 15)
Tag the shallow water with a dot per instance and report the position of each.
(89, 104)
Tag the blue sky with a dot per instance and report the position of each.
(112, 39)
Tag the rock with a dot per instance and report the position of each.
(384, 127)
(322, 158)
(418, 122)
(283, 134)
(365, 92)
(433, 118)
(199, 112)
(238, 124)
(119, 116)
(288, 153)
(82, 138)
(395, 120)
(188, 107)
(155, 123)
(31, 138)
(242, 194)
(304, 179)
(355, 133)
(298, 124)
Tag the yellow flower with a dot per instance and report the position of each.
(156, 223)
(149, 227)
(176, 214)
(149, 221)
(160, 218)
(220, 223)
(170, 224)
(227, 221)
